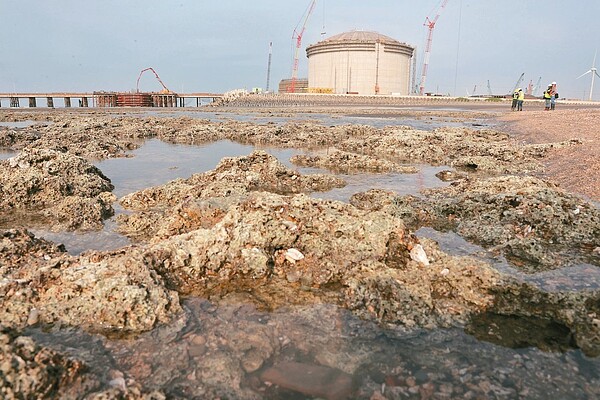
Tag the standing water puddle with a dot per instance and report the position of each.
(226, 350)
(236, 351)
(156, 163)
(570, 278)
(425, 123)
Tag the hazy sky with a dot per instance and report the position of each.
(216, 46)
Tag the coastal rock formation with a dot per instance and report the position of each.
(59, 188)
(301, 250)
(100, 292)
(185, 204)
(342, 162)
(526, 218)
(532, 222)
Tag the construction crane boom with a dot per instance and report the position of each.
(137, 85)
(537, 86)
(297, 35)
(518, 82)
(430, 24)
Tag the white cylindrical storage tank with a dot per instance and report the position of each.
(359, 62)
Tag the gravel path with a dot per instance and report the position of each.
(575, 168)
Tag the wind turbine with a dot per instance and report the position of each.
(594, 73)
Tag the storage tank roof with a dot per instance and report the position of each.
(360, 36)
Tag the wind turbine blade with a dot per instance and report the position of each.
(596, 72)
(584, 74)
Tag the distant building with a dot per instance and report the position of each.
(359, 62)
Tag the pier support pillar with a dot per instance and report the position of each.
(67, 102)
(84, 102)
(50, 102)
(32, 103)
(14, 102)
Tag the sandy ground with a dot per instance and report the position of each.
(575, 168)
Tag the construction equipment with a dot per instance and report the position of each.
(137, 85)
(489, 88)
(297, 36)
(537, 86)
(430, 24)
(269, 66)
(529, 89)
(518, 82)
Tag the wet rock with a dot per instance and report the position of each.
(310, 380)
(351, 257)
(99, 292)
(575, 312)
(63, 190)
(91, 137)
(534, 223)
(343, 162)
(450, 176)
(414, 211)
(184, 205)
(28, 370)
(490, 151)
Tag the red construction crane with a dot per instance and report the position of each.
(430, 24)
(137, 85)
(297, 35)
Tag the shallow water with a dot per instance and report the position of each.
(18, 124)
(571, 278)
(210, 342)
(426, 123)
(156, 163)
(210, 350)
(6, 154)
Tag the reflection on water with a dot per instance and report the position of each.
(571, 278)
(228, 350)
(18, 124)
(6, 154)
(156, 163)
(425, 123)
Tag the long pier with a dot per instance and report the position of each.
(105, 99)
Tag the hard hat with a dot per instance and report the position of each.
(520, 90)
(554, 83)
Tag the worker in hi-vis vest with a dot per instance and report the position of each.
(520, 99)
(547, 97)
(515, 98)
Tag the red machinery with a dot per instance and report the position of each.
(430, 24)
(137, 85)
(298, 37)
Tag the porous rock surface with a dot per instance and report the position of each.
(534, 223)
(343, 162)
(303, 250)
(99, 292)
(185, 204)
(29, 370)
(63, 190)
(100, 136)
(526, 218)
